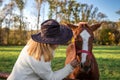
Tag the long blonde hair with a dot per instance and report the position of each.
(37, 49)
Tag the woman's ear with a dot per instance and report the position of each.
(95, 26)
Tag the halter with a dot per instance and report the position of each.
(84, 51)
(88, 53)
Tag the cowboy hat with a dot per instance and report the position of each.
(53, 33)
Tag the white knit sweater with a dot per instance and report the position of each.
(28, 68)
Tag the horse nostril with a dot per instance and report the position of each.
(86, 68)
(81, 65)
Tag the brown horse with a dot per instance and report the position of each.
(81, 49)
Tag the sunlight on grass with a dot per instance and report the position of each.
(108, 58)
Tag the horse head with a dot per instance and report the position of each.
(81, 46)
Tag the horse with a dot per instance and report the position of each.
(81, 49)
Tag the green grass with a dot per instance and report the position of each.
(108, 58)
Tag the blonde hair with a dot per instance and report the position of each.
(37, 49)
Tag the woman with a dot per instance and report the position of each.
(34, 61)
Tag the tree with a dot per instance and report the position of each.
(15, 38)
(4, 12)
(104, 36)
(20, 5)
(39, 3)
(101, 16)
(1, 1)
(78, 12)
(118, 12)
(110, 34)
(53, 8)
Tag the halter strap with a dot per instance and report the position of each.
(84, 51)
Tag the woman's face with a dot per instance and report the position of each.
(54, 46)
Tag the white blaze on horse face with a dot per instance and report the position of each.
(85, 36)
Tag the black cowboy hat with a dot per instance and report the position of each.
(53, 33)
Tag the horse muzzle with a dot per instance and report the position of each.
(86, 68)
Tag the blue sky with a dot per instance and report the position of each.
(108, 7)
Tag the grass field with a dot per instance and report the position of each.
(108, 58)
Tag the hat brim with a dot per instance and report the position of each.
(65, 35)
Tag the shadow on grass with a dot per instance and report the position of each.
(106, 48)
(11, 50)
(103, 52)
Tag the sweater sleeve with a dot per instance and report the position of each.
(44, 71)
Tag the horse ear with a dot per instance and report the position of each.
(72, 26)
(95, 26)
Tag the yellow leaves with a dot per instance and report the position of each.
(109, 33)
(111, 36)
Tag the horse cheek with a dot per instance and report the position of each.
(70, 54)
(95, 70)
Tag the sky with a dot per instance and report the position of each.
(108, 7)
